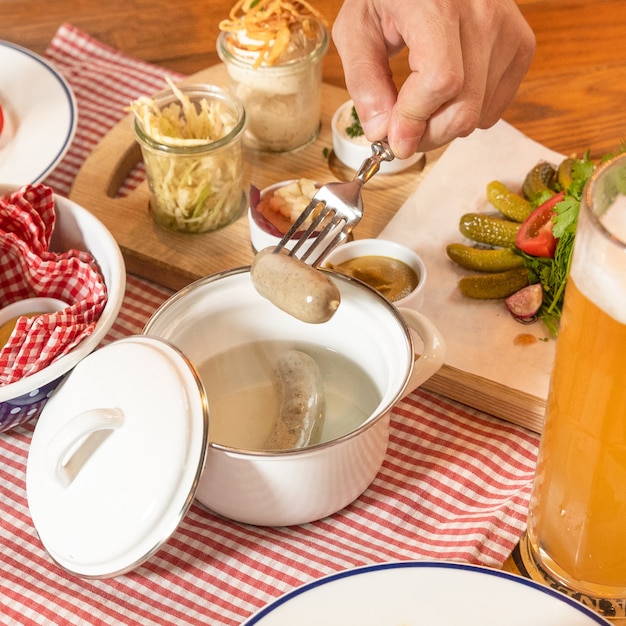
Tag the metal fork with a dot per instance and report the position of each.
(338, 206)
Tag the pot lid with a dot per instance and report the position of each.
(116, 456)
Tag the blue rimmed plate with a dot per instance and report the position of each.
(412, 593)
(40, 116)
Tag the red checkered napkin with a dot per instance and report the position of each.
(29, 269)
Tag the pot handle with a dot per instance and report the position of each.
(78, 439)
(433, 355)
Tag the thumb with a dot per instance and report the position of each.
(368, 79)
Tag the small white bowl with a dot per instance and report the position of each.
(264, 235)
(352, 151)
(30, 305)
(386, 248)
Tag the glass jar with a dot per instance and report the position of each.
(282, 101)
(196, 187)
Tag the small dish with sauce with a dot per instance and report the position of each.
(395, 271)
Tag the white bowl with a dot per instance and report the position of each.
(352, 151)
(264, 235)
(386, 248)
(75, 228)
(30, 305)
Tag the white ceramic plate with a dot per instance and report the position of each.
(40, 116)
(424, 593)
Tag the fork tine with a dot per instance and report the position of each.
(333, 223)
(327, 220)
(305, 236)
(312, 229)
(295, 227)
(340, 237)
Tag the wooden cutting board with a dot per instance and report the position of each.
(174, 260)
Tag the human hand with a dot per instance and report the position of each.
(467, 59)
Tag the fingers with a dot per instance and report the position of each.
(467, 59)
(432, 33)
(442, 97)
(366, 67)
(415, 125)
(507, 72)
(497, 48)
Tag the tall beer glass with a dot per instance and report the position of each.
(576, 536)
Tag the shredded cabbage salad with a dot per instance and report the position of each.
(192, 190)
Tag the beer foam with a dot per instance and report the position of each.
(599, 264)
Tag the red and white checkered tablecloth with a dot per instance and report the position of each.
(27, 221)
(454, 485)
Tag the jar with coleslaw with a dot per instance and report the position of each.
(273, 54)
(191, 139)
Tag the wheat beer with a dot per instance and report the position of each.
(576, 537)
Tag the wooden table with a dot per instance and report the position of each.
(571, 100)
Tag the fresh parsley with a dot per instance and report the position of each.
(553, 273)
(355, 129)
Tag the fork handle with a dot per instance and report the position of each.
(381, 148)
(380, 152)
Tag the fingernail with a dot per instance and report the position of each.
(376, 126)
(405, 148)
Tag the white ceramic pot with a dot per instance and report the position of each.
(123, 447)
(285, 488)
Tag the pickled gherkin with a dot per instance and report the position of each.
(492, 231)
(539, 181)
(564, 173)
(484, 259)
(509, 203)
(494, 285)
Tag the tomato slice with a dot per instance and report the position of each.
(535, 235)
